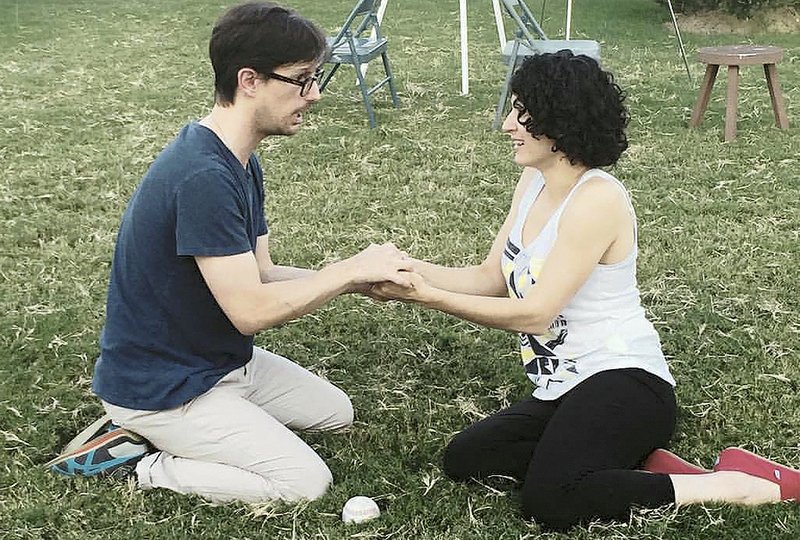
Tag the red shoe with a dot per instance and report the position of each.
(665, 462)
(738, 459)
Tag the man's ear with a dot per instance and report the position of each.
(247, 79)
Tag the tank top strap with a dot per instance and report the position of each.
(532, 191)
(593, 173)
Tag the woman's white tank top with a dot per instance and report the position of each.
(602, 327)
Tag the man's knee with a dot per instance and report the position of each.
(342, 414)
(311, 482)
(345, 412)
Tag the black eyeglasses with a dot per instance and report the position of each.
(304, 84)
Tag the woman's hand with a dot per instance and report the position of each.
(418, 292)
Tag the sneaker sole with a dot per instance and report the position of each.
(92, 446)
(87, 434)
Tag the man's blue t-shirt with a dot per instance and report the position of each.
(166, 340)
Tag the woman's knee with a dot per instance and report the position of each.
(550, 505)
(457, 461)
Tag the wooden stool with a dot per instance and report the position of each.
(734, 56)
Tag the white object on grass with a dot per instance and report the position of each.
(360, 508)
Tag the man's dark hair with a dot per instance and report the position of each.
(260, 36)
(572, 101)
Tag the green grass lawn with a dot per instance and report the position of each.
(90, 91)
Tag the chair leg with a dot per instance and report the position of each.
(362, 84)
(705, 93)
(387, 67)
(778, 107)
(501, 103)
(327, 77)
(731, 102)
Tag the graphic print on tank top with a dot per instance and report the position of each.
(539, 353)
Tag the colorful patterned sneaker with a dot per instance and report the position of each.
(92, 431)
(114, 454)
(665, 462)
(739, 459)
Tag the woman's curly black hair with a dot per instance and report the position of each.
(572, 101)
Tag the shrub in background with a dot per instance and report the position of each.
(740, 8)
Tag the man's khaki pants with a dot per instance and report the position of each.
(235, 442)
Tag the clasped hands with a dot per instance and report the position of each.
(384, 272)
(388, 290)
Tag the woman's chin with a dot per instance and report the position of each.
(522, 162)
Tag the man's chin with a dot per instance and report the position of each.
(286, 131)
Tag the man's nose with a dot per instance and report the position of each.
(314, 93)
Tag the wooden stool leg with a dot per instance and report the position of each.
(731, 102)
(705, 93)
(778, 107)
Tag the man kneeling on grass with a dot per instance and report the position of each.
(192, 280)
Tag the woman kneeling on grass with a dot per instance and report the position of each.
(561, 272)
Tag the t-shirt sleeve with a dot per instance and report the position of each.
(263, 228)
(211, 218)
(263, 223)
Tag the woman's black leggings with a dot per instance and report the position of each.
(576, 455)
